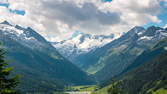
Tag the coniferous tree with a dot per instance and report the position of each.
(7, 83)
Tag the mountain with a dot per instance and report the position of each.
(81, 43)
(148, 55)
(150, 77)
(113, 58)
(90, 61)
(125, 50)
(40, 65)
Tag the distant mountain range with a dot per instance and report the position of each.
(110, 57)
(40, 65)
(113, 58)
(81, 43)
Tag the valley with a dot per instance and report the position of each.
(38, 61)
(137, 60)
(83, 47)
(83, 89)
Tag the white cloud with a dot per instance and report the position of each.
(3, 1)
(57, 19)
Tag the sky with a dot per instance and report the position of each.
(57, 20)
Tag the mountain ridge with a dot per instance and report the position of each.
(81, 43)
(129, 45)
(147, 76)
(38, 61)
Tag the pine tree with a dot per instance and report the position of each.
(7, 83)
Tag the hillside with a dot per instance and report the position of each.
(149, 78)
(41, 67)
(115, 57)
(81, 43)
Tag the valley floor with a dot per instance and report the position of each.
(84, 89)
(78, 92)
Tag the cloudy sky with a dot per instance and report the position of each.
(58, 19)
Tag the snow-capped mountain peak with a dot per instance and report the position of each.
(81, 43)
(6, 23)
(136, 30)
(10, 29)
(25, 36)
(153, 33)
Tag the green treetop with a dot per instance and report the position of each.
(7, 83)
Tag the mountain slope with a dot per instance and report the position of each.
(121, 53)
(150, 77)
(90, 59)
(81, 43)
(148, 55)
(42, 68)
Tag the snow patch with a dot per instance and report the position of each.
(140, 33)
(82, 43)
(11, 29)
(20, 35)
(165, 48)
(164, 33)
(146, 38)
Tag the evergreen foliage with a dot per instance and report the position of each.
(7, 83)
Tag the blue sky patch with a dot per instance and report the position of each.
(106, 0)
(4, 5)
(162, 16)
(19, 12)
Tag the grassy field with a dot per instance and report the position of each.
(59, 93)
(160, 91)
(102, 91)
(82, 88)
